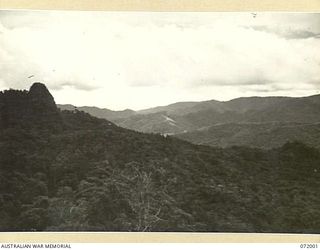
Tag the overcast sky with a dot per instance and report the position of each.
(137, 60)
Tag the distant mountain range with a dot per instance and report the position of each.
(100, 113)
(252, 121)
(69, 171)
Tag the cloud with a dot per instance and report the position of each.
(137, 60)
(287, 33)
(142, 83)
(74, 85)
(252, 78)
(279, 88)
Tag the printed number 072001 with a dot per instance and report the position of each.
(309, 246)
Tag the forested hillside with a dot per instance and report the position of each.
(260, 135)
(69, 171)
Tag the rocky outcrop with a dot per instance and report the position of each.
(35, 107)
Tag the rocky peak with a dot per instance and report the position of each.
(38, 93)
(33, 108)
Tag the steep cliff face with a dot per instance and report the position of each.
(35, 107)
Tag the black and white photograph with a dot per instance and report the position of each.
(117, 121)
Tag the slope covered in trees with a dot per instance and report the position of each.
(67, 170)
(261, 135)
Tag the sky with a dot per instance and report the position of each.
(137, 60)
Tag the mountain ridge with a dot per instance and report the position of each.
(191, 117)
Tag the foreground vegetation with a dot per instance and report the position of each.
(69, 171)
